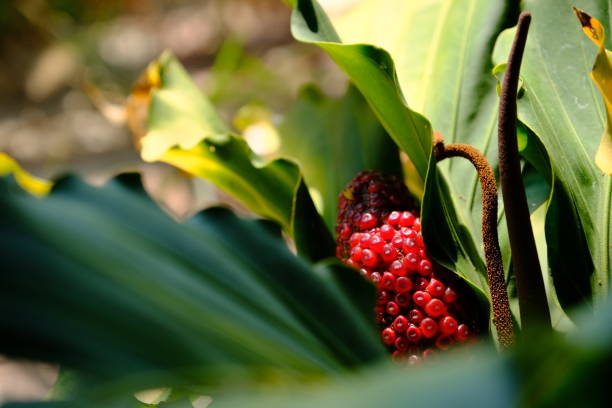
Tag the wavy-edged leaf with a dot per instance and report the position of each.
(602, 75)
(182, 128)
(116, 287)
(562, 106)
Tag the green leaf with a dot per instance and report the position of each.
(183, 129)
(343, 134)
(442, 57)
(117, 288)
(563, 108)
(372, 71)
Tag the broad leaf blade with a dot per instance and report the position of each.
(562, 106)
(128, 290)
(182, 128)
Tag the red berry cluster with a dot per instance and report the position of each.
(416, 306)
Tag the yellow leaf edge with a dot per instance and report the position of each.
(34, 185)
(601, 74)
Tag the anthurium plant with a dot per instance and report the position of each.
(380, 267)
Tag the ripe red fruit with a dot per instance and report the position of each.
(421, 298)
(388, 336)
(448, 325)
(435, 308)
(421, 307)
(428, 327)
(400, 324)
(435, 288)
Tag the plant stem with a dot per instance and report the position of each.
(502, 317)
(529, 282)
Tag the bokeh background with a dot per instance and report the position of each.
(67, 67)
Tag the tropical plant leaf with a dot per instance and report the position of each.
(441, 51)
(173, 122)
(562, 107)
(127, 290)
(332, 140)
(550, 370)
(602, 75)
(372, 71)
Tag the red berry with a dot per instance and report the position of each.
(397, 268)
(402, 299)
(355, 238)
(383, 297)
(369, 258)
(392, 308)
(387, 281)
(375, 277)
(364, 272)
(407, 219)
(388, 336)
(402, 284)
(387, 232)
(356, 254)
(413, 333)
(421, 298)
(364, 240)
(428, 327)
(449, 295)
(448, 325)
(400, 324)
(397, 241)
(344, 231)
(463, 333)
(444, 342)
(435, 308)
(410, 245)
(388, 253)
(419, 239)
(377, 243)
(420, 283)
(415, 316)
(401, 344)
(425, 267)
(435, 288)
(394, 218)
(367, 221)
(412, 261)
(417, 225)
(408, 232)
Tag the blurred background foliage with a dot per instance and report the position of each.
(67, 67)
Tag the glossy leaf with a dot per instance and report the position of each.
(127, 290)
(183, 129)
(441, 51)
(372, 71)
(561, 105)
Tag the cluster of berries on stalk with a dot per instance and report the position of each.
(417, 306)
